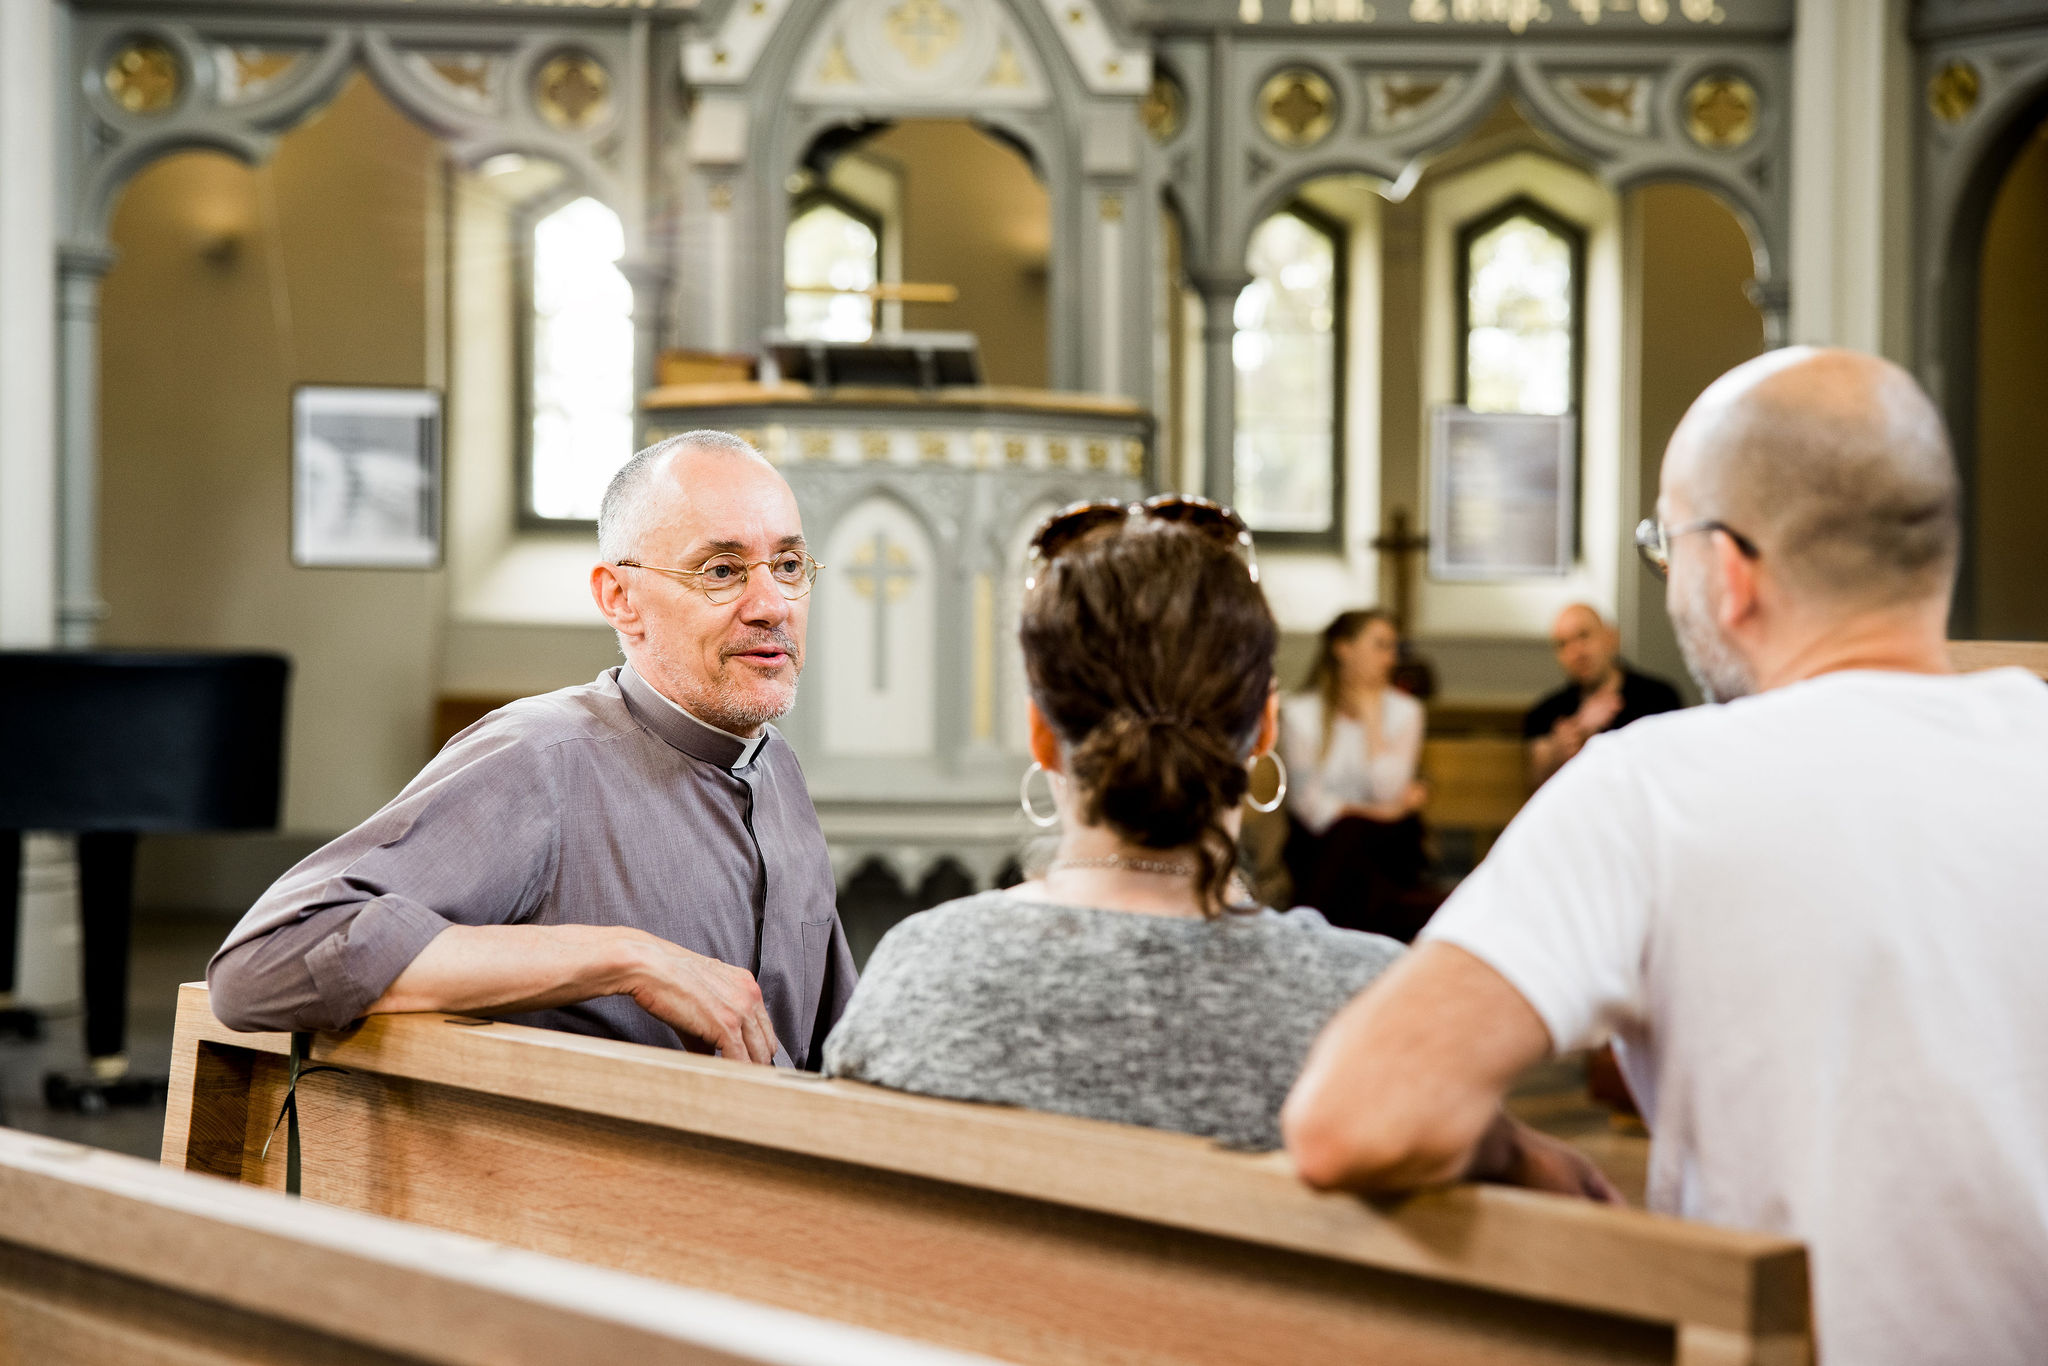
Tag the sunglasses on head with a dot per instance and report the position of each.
(1071, 523)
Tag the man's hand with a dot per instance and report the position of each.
(1514, 1154)
(704, 998)
(1597, 713)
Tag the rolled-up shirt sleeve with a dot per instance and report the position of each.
(473, 840)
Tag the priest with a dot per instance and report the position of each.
(636, 857)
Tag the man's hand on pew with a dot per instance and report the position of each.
(1514, 1154)
(1404, 1087)
(505, 969)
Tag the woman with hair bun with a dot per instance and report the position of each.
(1131, 982)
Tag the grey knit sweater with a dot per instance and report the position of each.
(1175, 1023)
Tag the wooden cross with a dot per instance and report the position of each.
(882, 572)
(1397, 543)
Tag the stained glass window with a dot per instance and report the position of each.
(1286, 350)
(1521, 306)
(830, 247)
(582, 360)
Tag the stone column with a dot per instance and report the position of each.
(28, 315)
(1852, 202)
(1219, 382)
(46, 951)
(81, 266)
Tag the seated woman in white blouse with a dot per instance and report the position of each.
(1352, 741)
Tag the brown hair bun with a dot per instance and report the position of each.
(1150, 651)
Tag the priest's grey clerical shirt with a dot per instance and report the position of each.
(601, 804)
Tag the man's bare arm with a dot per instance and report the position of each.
(516, 968)
(1403, 1088)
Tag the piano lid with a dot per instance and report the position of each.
(140, 740)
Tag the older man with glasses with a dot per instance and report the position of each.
(1814, 918)
(636, 857)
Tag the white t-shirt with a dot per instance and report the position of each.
(1817, 922)
(1320, 784)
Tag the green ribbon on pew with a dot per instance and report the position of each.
(288, 1113)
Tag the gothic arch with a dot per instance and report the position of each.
(1964, 169)
(114, 144)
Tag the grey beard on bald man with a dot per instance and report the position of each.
(1713, 663)
(726, 707)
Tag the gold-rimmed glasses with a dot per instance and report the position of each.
(722, 578)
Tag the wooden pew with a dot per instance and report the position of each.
(1035, 1238)
(1971, 655)
(1476, 782)
(111, 1259)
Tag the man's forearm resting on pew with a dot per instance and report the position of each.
(510, 969)
(1404, 1087)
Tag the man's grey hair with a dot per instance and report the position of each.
(623, 518)
(1838, 466)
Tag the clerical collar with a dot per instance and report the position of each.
(693, 736)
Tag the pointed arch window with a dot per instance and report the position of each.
(831, 258)
(580, 362)
(1289, 353)
(1521, 290)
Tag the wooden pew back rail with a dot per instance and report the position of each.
(107, 1258)
(1024, 1236)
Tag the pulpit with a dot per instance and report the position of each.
(107, 745)
(918, 501)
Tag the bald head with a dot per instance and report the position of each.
(1586, 644)
(1834, 464)
(638, 497)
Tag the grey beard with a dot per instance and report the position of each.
(728, 715)
(717, 708)
(1720, 672)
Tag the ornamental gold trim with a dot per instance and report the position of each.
(145, 76)
(1953, 93)
(1721, 112)
(1297, 107)
(573, 91)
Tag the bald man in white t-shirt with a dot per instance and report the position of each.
(1815, 919)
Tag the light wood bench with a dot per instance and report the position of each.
(106, 1258)
(1971, 655)
(1030, 1237)
(1476, 782)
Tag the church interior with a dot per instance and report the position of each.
(324, 325)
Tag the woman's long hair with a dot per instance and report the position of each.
(1326, 675)
(1149, 650)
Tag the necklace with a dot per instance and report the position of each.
(1163, 867)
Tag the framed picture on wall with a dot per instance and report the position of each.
(1503, 495)
(366, 478)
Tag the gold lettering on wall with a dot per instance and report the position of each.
(1517, 16)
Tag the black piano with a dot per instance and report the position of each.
(110, 744)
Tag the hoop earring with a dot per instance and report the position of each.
(1279, 794)
(1045, 822)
